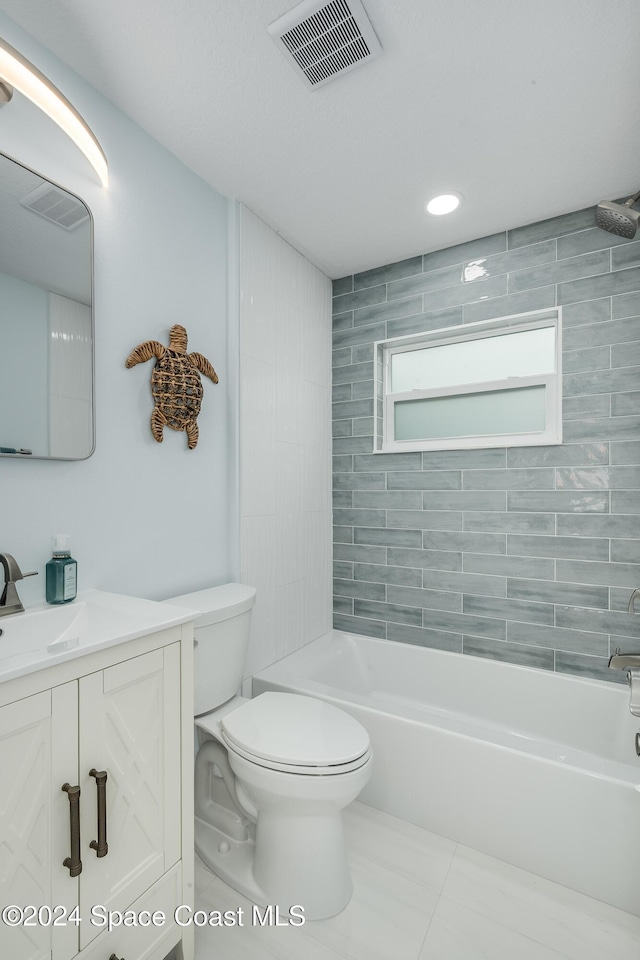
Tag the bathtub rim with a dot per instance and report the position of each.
(591, 764)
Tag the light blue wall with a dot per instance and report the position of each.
(527, 554)
(144, 518)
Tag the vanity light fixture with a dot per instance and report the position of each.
(445, 203)
(18, 73)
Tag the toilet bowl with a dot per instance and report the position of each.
(272, 773)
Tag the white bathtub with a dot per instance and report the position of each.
(535, 768)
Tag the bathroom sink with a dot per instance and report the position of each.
(45, 635)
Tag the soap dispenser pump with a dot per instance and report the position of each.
(61, 572)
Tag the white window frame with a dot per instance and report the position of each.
(384, 350)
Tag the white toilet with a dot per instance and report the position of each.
(272, 774)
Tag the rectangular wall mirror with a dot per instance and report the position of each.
(46, 319)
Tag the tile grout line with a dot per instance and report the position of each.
(440, 895)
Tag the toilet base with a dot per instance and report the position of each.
(229, 859)
(234, 862)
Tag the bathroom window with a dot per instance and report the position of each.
(494, 383)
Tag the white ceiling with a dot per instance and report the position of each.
(526, 107)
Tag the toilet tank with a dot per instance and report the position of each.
(221, 637)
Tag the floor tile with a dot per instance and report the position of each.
(487, 910)
(398, 846)
(574, 925)
(202, 875)
(248, 939)
(387, 918)
(457, 933)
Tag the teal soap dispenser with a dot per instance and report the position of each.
(61, 572)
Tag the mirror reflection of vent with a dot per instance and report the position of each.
(322, 40)
(55, 205)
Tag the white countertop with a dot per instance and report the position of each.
(47, 634)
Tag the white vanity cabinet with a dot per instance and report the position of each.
(126, 712)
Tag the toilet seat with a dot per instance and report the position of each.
(298, 769)
(296, 734)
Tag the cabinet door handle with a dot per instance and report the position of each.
(74, 863)
(100, 845)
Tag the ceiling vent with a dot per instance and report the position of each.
(55, 205)
(322, 40)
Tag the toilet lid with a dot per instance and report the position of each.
(298, 731)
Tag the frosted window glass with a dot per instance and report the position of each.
(523, 354)
(521, 410)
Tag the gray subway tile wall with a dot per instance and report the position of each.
(529, 554)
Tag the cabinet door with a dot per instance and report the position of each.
(34, 819)
(25, 820)
(129, 727)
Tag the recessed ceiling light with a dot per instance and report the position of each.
(445, 203)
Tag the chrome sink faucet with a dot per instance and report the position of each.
(10, 601)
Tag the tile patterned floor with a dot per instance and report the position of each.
(418, 896)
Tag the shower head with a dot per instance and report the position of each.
(618, 218)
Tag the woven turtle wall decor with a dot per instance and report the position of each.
(175, 383)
